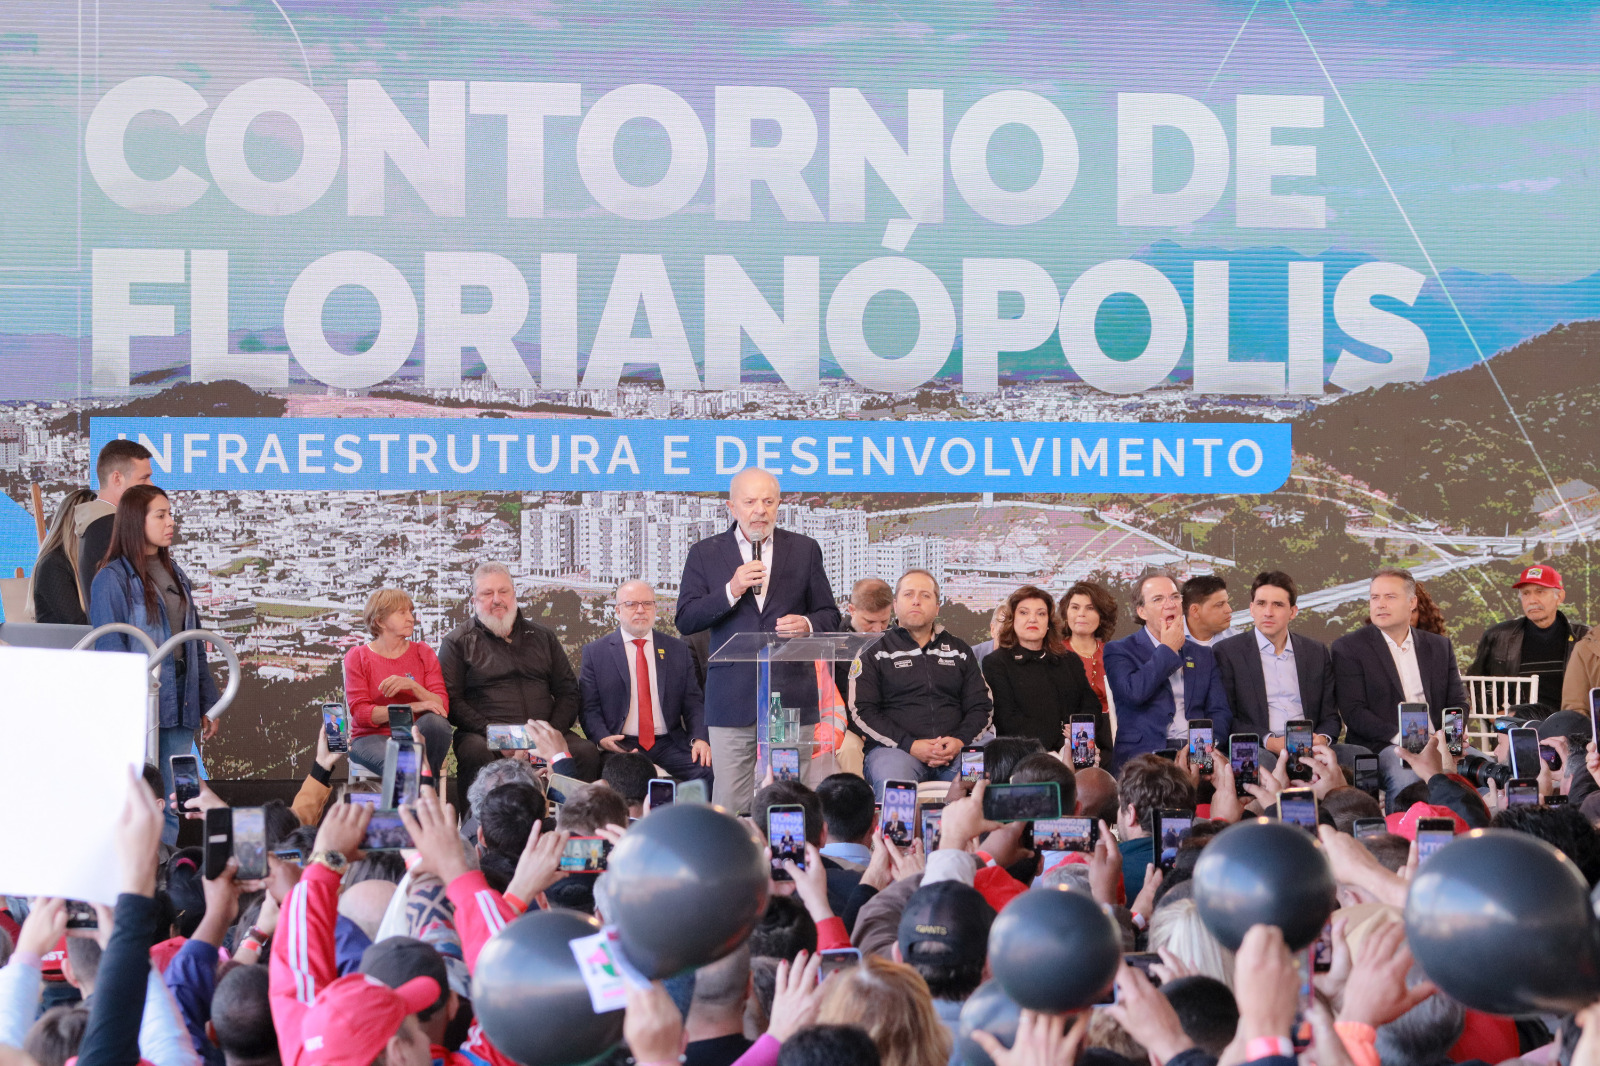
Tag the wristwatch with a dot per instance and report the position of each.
(333, 860)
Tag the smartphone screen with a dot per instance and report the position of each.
(692, 792)
(334, 727)
(786, 764)
(932, 822)
(185, 779)
(1022, 803)
(972, 765)
(1453, 720)
(365, 799)
(1368, 779)
(250, 843)
(1594, 713)
(1172, 826)
(1369, 827)
(662, 791)
(407, 778)
(400, 719)
(1243, 753)
(81, 915)
(786, 832)
(1201, 737)
(1298, 806)
(1525, 754)
(1065, 834)
(1298, 739)
(219, 841)
(1415, 726)
(1081, 732)
(1522, 793)
(385, 832)
(1433, 834)
(505, 738)
(1557, 799)
(587, 855)
(836, 959)
(899, 818)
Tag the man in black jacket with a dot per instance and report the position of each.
(501, 668)
(917, 696)
(1378, 667)
(1538, 643)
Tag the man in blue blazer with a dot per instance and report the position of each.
(754, 578)
(1151, 671)
(664, 718)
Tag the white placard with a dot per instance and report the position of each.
(73, 722)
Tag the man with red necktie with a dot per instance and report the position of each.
(638, 691)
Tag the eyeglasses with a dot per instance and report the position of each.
(634, 605)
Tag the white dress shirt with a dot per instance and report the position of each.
(1405, 661)
(1178, 728)
(1211, 642)
(630, 725)
(1283, 683)
(747, 552)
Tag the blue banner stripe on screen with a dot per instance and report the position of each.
(565, 454)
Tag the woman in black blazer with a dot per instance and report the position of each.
(1037, 683)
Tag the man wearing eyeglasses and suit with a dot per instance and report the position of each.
(638, 690)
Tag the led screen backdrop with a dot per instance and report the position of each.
(1016, 292)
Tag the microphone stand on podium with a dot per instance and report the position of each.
(152, 742)
(778, 720)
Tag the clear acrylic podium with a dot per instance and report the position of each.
(777, 714)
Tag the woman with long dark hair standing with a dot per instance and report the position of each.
(140, 584)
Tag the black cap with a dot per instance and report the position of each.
(397, 959)
(1563, 724)
(948, 913)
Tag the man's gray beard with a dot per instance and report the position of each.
(499, 626)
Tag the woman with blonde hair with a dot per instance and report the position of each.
(391, 670)
(891, 1002)
(1176, 927)
(56, 592)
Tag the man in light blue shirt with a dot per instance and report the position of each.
(847, 813)
(1272, 676)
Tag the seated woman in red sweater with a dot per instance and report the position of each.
(391, 670)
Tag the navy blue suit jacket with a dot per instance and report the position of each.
(1137, 670)
(798, 584)
(603, 687)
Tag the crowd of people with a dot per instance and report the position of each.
(360, 945)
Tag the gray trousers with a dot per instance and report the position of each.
(733, 767)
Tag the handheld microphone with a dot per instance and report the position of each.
(755, 555)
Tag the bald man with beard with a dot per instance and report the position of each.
(754, 578)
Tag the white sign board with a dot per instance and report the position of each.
(74, 722)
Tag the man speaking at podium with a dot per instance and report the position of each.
(753, 578)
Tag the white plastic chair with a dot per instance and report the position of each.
(1487, 699)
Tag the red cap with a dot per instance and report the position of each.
(1405, 824)
(354, 1017)
(1543, 576)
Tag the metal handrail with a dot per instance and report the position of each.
(116, 627)
(223, 645)
(157, 656)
